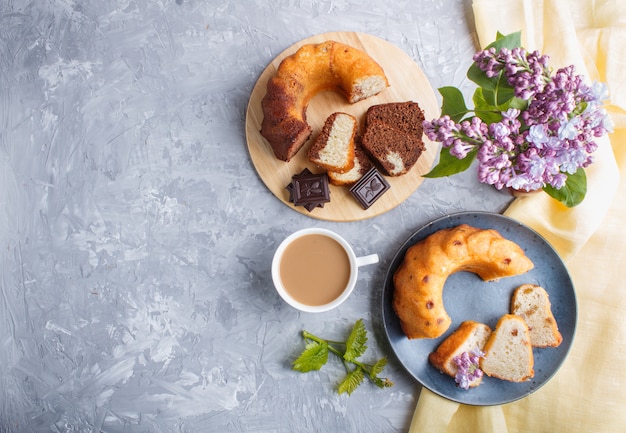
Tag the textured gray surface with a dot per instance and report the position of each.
(136, 237)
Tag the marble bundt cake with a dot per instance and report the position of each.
(333, 149)
(393, 135)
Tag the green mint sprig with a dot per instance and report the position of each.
(315, 356)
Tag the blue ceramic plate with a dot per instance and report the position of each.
(467, 297)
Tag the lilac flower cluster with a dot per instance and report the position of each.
(541, 145)
(468, 368)
(526, 72)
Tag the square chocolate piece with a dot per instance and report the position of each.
(309, 190)
(369, 188)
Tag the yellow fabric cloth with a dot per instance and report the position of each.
(588, 393)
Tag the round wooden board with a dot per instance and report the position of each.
(407, 82)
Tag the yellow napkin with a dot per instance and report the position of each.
(587, 394)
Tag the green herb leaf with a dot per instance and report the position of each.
(314, 356)
(574, 191)
(352, 381)
(356, 343)
(316, 352)
(453, 103)
(378, 367)
(449, 164)
(381, 383)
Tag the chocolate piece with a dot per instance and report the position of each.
(309, 190)
(308, 206)
(369, 188)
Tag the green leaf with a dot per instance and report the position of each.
(382, 382)
(519, 103)
(316, 353)
(500, 94)
(453, 103)
(510, 41)
(573, 193)
(579, 109)
(449, 164)
(352, 381)
(504, 93)
(314, 356)
(378, 367)
(475, 74)
(485, 111)
(357, 342)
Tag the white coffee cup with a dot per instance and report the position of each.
(354, 264)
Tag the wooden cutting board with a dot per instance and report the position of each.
(407, 82)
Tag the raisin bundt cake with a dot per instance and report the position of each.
(419, 281)
(312, 69)
(531, 303)
(469, 337)
(508, 352)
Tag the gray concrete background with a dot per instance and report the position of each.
(136, 237)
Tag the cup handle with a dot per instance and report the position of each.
(366, 260)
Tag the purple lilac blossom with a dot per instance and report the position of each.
(468, 368)
(526, 72)
(539, 146)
